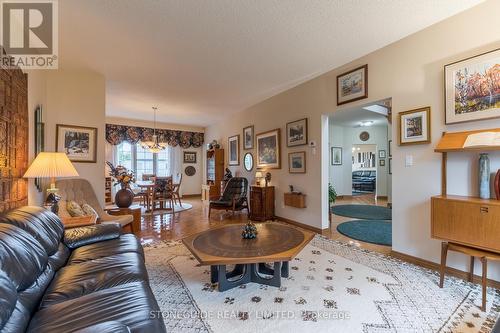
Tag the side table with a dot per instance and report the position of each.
(134, 210)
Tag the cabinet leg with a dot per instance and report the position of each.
(484, 261)
(444, 253)
(471, 270)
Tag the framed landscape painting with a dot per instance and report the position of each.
(353, 85)
(248, 137)
(297, 162)
(268, 150)
(78, 142)
(472, 88)
(296, 133)
(336, 155)
(415, 126)
(233, 143)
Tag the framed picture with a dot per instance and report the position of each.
(381, 163)
(189, 157)
(353, 85)
(78, 142)
(415, 126)
(297, 162)
(382, 154)
(390, 166)
(336, 155)
(390, 148)
(233, 142)
(269, 149)
(296, 133)
(472, 88)
(248, 137)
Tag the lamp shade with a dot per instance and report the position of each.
(258, 174)
(51, 165)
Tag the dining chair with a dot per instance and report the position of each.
(143, 194)
(163, 192)
(176, 189)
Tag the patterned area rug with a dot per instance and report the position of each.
(333, 287)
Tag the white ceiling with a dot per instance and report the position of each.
(353, 117)
(200, 60)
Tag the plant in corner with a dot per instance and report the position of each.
(332, 194)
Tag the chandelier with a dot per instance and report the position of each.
(154, 146)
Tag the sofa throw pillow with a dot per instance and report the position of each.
(88, 210)
(74, 209)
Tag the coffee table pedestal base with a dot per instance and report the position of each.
(245, 273)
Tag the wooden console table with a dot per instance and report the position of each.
(465, 224)
(261, 203)
(134, 210)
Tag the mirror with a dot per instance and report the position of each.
(248, 162)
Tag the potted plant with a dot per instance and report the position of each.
(332, 194)
(123, 177)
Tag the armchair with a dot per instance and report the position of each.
(233, 198)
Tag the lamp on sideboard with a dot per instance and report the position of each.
(258, 177)
(51, 165)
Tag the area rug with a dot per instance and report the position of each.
(333, 287)
(370, 231)
(363, 212)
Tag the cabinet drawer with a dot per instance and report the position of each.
(468, 223)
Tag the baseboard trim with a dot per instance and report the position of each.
(435, 267)
(299, 224)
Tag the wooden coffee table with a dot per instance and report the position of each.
(275, 243)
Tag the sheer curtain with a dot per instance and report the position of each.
(175, 158)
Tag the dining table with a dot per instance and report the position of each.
(147, 186)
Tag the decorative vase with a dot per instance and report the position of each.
(124, 198)
(497, 185)
(484, 177)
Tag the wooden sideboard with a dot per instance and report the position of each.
(261, 203)
(467, 221)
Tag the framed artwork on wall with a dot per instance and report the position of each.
(269, 149)
(353, 85)
(381, 163)
(297, 162)
(78, 142)
(390, 148)
(472, 88)
(248, 162)
(189, 157)
(296, 133)
(248, 137)
(336, 155)
(390, 166)
(415, 126)
(233, 143)
(382, 154)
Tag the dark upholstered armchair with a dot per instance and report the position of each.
(234, 197)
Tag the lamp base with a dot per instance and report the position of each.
(52, 201)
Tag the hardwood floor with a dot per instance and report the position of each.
(164, 226)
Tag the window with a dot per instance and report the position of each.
(141, 161)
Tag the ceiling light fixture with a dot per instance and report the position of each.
(154, 146)
(366, 123)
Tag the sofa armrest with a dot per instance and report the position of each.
(106, 327)
(76, 237)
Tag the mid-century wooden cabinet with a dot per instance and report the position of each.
(261, 203)
(215, 171)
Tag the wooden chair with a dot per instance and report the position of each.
(233, 198)
(163, 192)
(176, 188)
(143, 195)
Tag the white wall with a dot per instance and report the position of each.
(71, 97)
(411, 72)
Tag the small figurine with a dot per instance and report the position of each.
(228, 175)
(291, 188)
(268, 177)
(249, 231)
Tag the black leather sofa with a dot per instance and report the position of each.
(90, 279)
(364, 180)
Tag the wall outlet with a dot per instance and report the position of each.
(409, 161)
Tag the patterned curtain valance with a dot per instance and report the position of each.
(116, 134)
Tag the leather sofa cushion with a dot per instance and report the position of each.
(77, 237)
(8, 300)
(125, 244)
(107, 327)
(131, 304)
(40, 223)
(81, 279)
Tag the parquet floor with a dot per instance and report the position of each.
(163, 226)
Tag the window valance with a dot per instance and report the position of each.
(116, 134)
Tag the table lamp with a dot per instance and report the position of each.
(51, 165)
(258, 177)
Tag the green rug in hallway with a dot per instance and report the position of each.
(363, 212)
(370, 231)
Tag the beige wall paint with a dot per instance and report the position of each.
(190, 185)
(411, 72)
(71, 98)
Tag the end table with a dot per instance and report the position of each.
(134, 210)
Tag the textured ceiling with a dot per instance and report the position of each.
(200, 60)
